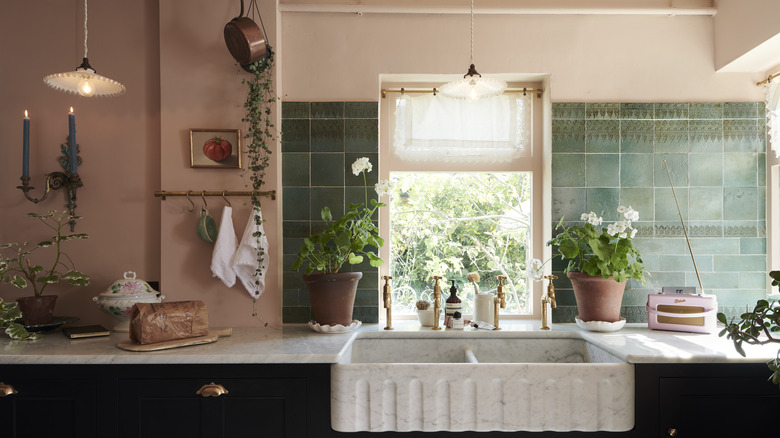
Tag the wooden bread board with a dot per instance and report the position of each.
(213, 335)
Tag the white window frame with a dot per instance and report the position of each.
(538, 162)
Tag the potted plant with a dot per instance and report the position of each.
(600, 260)
(756, 327)
(20, 271)
(348, 239)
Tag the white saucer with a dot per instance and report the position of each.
(601, 326)
(338, 328)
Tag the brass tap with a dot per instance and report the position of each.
(388, 302)
(499, 300)
(436, 302)
(549, 298)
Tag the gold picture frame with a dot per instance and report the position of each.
(215, 148)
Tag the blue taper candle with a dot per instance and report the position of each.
(73, 157)
(26, 145)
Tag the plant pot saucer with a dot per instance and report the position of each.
(337, 328)
(55, 323)
(601, 326)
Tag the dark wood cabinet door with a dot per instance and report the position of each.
(49, 407)
(164, 408)
(721, 406)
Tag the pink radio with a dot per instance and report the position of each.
(682, 312)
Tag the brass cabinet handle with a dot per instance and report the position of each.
(6, 390)
(211, 390)
(672, 431)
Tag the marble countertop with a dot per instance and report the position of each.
(295, 343)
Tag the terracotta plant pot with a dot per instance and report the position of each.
(333, 296)
(598, 298)
(37, 310)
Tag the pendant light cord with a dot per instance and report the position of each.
(472, 32)
(85, 29)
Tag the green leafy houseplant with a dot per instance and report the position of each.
(345, 240)
(260, 134)
(19, 269)
(600, 251)
(757, 327)
(9, 313)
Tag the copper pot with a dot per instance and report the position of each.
(244, 39)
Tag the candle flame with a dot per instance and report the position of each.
(71, 110)
(25, 114)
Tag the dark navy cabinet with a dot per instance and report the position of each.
(293, 401)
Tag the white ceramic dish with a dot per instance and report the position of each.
(338, 328)
(601, 326)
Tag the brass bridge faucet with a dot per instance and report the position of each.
(388, 301)
(499, 301)
(436, 302)
(549, 298)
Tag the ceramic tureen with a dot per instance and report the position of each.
(120, 297)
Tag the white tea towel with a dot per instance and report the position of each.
(245, 262)
(224, 249)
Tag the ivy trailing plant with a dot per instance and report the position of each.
(260, 134)
(757, 327)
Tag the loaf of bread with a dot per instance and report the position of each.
(158, 322)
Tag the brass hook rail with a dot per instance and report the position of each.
(162, 194)
(435, 91)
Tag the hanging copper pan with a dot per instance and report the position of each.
(244, 39)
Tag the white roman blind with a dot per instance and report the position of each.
(438, 128)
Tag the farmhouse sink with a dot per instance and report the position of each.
(457, 381)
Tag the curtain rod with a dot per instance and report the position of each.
(436, 91)
(767, 79)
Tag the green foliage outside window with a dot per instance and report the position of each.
(450, 224)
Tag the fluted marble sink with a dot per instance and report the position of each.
(480, 380)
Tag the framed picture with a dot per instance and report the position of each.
(216, 148)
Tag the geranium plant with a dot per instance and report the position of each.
(349, 238)
(601, 251)
(19, 269)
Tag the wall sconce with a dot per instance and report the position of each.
(69, 179)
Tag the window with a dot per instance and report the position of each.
(467, 198)
(453, 224)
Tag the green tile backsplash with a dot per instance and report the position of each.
(610, 153)
(320, 142)
(603, 154)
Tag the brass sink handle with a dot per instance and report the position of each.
(211, 390)
(6, 390)
(499, 301)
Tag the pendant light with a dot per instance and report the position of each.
(473, 86)
(84, 81)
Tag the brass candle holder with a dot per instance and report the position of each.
(56, 180)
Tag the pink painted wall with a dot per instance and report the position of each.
(612, 58)
(119, 137)
(201, 88)
(742, 25)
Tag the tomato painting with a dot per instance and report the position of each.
(217, 149)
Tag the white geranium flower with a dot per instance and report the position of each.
(591, 218)
(383, 187)
(535, 269)
(629, 213)
(612, 229)
(633, 232)
(360, 165)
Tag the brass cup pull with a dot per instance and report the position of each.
(6, 390)
(672, 431)
(211, 390)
